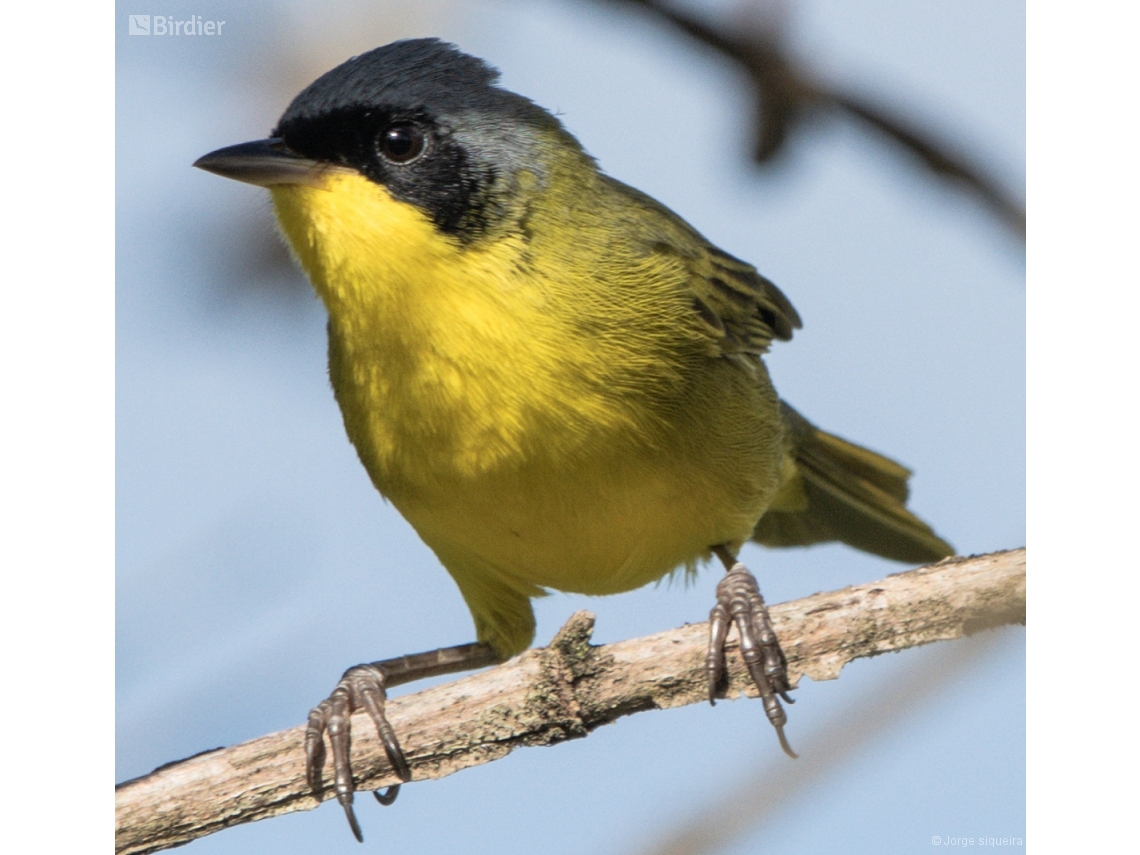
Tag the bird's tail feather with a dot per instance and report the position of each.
(835, 490)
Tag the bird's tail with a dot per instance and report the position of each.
(834, 490)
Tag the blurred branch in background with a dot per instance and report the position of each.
(788, 92)
(565, 691)
(760, 795)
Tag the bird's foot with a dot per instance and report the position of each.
(361, 687)
(738, 601)
(364, 687)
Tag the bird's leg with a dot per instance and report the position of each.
(363, 687)
(738, 601)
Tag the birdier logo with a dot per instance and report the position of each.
(165, 25)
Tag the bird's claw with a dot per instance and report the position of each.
(738, 601)
(361, 688)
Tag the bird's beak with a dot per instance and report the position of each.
(266, 163)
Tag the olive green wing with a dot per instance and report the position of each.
(832, 489)
(835, 490)
(738, 310)
(741, 310)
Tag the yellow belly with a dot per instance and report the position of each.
(601, 529)
(537, 432)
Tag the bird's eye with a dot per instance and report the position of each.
(402, 143)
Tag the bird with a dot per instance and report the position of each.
(556, 380)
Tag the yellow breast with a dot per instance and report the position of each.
(530, 425)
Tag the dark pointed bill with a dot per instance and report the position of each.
(266, 163)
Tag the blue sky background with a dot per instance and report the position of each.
(256, 562)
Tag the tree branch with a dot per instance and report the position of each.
(787, 92)
(564, 691)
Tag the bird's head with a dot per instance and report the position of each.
(411, 135)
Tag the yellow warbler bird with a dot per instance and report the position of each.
(555, 379)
